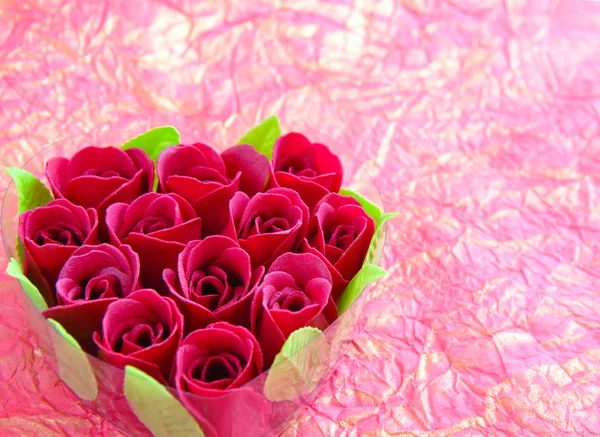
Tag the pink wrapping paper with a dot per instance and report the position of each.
(478, 121)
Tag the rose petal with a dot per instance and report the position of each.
(81, 320)
(176, 160)
(56, 173)
(214, 208)
(195, 316)
(310, 192)
(155, 256)
(101, 158)
(191, 188)
(237, 205)
(126, 193)
(115, 217)
(96, 190)
(120, 361)
(143, 162)
(303, 267)
(292, 144)
(268, 334)
(328, 163)
(142, 308)
(338, 281)
(253, 166)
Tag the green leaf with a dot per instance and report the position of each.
(14, 270)
(154, 141)
(296, 342)
(373, 210)
(30, 190)
(157, 408)
(20, 251)
(263, 136)
(295, 370)
(74, 367)
(368, 274)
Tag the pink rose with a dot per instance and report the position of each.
(143, 330)
(50, 234)
(295, 292)
(91, 279)
(340, 233)
(216, 359)
(216, 362)
(96, 177)
(214, 281)
(269, 224)
(198, 174)
(311, 169)
(157, 227)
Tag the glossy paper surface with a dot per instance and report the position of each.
(477, 121)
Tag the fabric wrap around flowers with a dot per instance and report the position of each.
(200, 279)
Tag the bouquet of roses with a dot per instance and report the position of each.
(193, 267)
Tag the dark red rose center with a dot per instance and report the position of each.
(213, 281)
(290, 299)
(297, 165)
(342, 237)
(102, 286)
(265, 225)
(60, 233)
(141, 337)
(152, 224)
(218, 368)
(100, 173)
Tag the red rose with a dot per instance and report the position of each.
(50, 234)
(216, 362)
(295, 292)
(215, 359)
(96, 177)
(198, 174)
(310, 169)
(142, 330)
(340, 233)
(269, 224)
(90, 280)
(157, 227)
(214, 281)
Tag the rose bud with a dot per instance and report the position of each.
(254, 168)
(157, 227)
(217, 358)
(311, 169)
(91, 279)
(214, 281)
(340, 233)
(50, 234)
(198, 174)
(295, 292)
(216, 362)
(143, 330)
(96, 177)
(269, 224)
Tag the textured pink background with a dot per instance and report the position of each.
(479, 120)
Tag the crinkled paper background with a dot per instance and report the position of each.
(479, 121)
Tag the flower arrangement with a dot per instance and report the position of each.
(194, 271)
